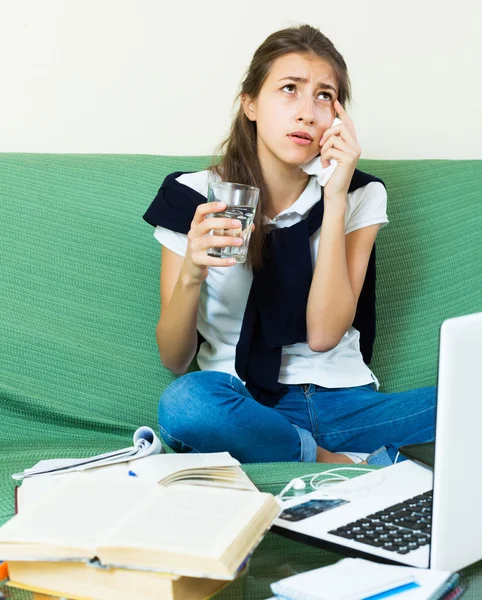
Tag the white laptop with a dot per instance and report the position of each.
(369, 515)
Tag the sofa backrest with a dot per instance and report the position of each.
(80, 280)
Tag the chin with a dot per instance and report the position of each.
(298, 159)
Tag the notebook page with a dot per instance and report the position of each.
(145, 441)
(348, 579)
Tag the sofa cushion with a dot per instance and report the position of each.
(80, 301)
(80, 283)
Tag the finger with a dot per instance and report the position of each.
(329, 132)
(342, 114)
(342, 131)
(204, 260)
(337, 142)
(348, 135)
(216, 223)
(207, 208)
(216, 241)
(344, 117)
(332, 153)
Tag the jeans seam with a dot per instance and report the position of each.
(313, 420)
(171, 437)
(231, 383)
(308, 393)
(378, 424)
(302, 444)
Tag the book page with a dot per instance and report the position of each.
(232, 478)
(76, 513)
(189, 520)
(159, 467)
(216, 469)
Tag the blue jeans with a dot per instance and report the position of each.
(211, 411)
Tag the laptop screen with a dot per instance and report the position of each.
(421, 453)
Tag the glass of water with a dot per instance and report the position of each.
(241, 201)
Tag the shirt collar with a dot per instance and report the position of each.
(308, 198)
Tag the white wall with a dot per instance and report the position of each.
(160, 76)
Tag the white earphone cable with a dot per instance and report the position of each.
(327, 478)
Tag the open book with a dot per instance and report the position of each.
(216, 469)
(131, 523)
(146, 443)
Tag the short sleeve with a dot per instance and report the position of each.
(366, 206)
(176, 242)
(174, 207)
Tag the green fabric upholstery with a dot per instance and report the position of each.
(79, 368)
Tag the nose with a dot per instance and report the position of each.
(306, 113)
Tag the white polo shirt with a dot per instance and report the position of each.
(225, 291)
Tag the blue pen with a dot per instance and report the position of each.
(393, 591)
(132, 474)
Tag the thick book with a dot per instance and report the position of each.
(77, 581)
(131, 523)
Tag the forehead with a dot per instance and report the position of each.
(309, 66)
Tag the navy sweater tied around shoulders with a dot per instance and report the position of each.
(275, 314)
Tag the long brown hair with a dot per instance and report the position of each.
(237, 157)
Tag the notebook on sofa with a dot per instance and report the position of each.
(146, 443)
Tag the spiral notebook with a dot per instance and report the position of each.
(360, 579)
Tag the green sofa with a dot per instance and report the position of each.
(79, 304)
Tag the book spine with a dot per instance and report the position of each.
(447, 586)
(455, 593)
(3, 571)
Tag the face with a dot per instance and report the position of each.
(295, 97)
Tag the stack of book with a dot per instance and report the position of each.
(168, 526)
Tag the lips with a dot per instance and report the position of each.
(301, 135)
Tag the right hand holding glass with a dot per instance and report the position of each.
(197, 260)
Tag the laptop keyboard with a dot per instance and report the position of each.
(400, 528)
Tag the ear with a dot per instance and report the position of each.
(249, 107)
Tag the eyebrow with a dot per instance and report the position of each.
(320, 84)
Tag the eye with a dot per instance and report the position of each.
(289, 85)
(329, 96)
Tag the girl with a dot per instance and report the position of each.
(285, 338)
